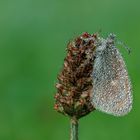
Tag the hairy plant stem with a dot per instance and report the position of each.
(74, 128)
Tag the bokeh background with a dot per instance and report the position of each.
(33, 38)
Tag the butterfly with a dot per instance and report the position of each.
(112, 89)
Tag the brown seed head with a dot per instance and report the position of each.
(75, 85)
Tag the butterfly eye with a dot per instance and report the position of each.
(100, 49)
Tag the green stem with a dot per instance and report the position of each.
(74, 129)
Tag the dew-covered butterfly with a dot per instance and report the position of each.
(111, 83)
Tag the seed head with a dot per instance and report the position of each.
(75, 83)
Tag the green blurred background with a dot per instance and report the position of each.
(33, 38)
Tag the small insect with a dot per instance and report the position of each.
(111, 83)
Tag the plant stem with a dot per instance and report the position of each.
(74, 129)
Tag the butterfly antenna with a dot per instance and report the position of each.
(125, 46)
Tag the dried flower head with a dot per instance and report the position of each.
(75, 83)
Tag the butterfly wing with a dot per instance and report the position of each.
(111, 84)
